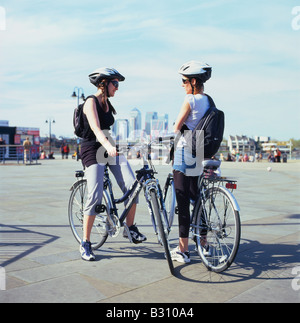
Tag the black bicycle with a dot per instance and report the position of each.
(107, 222)
(215, 221)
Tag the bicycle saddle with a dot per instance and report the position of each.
(79, 173)
(211, 164)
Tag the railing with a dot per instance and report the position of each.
(15, 153)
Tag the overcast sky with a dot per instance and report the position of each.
(49, 47)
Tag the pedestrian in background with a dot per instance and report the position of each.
(27, 146)
(66, 150)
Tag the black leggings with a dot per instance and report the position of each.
(186, 188)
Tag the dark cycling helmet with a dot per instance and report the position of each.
(105, 73)
(194, 69)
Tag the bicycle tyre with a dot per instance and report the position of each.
(222, 229)
(75, 213)
(170, 199)
(161, 229)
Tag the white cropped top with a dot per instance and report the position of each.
(199, 105)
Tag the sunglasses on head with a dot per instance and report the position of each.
(184, 81)
(115, 84)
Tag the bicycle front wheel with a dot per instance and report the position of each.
(170, 198)
(162, 229)
(75, 212)
(217, 229)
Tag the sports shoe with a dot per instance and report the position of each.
(136, 236)
(86, 251)
(177, 255)
(206, 251)
(204, 246)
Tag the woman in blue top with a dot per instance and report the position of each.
(187, 167)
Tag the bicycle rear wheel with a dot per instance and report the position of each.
(170, 198)
(162, 231)
(218, 221)
(75, 212)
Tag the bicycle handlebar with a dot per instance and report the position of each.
(144, 148)
(167, 139)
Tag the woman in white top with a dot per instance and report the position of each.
(186, 166)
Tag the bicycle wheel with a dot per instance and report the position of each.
(163, 233)
(218, 221)
(75, 211)
(170, 199)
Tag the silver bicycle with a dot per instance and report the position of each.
(108, 222)
(215, 221)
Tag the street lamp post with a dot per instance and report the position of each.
(79, 91)
(50, 121)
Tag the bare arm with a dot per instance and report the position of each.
(182, 116)
(91, 113)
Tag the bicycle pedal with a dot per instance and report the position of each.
(223, 259)
(113, 226)
(159, 239)
(126, 229)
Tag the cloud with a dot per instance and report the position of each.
(46, 50)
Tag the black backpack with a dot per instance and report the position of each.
(78, 119)
(212, 123)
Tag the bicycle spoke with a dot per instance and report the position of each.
(76, 206)
(79, 204)
(222, 230)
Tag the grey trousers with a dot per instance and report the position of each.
(122, 172)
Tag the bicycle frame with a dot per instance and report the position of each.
(206, 182)
(108, 222)
(144, 179)
(133, 192)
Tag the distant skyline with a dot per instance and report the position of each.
(49, 47)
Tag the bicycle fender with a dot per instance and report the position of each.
(75, 185)
(232, 198)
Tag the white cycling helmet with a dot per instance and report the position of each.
(195, 69)
(105, 73)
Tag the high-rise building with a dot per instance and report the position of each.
(159, 126)
(120, 129)
(148, 122)
(165, 119)
(135, 123)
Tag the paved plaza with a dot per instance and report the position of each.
(40, 261)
